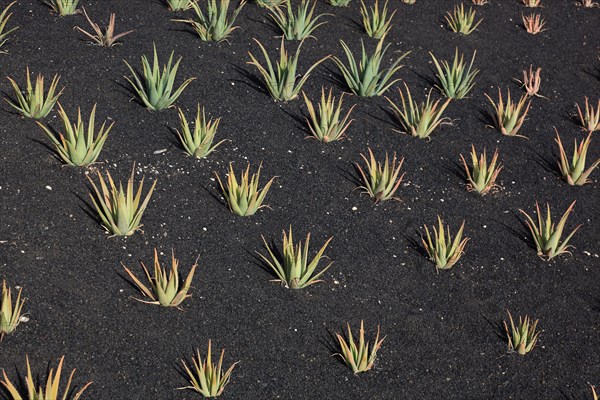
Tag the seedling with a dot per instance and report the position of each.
(419, 120)
(573, 171)
(206, 378)
(106, 38)
(213, 24)
(165, 290)
(155, 89)
(455, 81)
(293, 269)
(366, 78)
(326, 126)
(522, 338)
(509, 117)
(532, 82)
(49, 392)
(481, 176)
(441, 248)
(359, 357)
(534, 23)
(10, 315)
(120, 210)
(198, 142)
(34, 102)
(380, 181)
(244, 198)
(281, 81)
(546, 235)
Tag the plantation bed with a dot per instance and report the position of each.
(443, 330)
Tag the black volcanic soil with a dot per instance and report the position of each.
(443, 337)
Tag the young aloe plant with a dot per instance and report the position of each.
(546, 235)
(441, 248)
(214, 25)
(339, 3)
(33, 102)
(462, 21)
(49, 392)
(165, 290)
(380, 181)
(297, 26)
(366, 78)
(534, 23)
(590, 119)
(532, 82)
(293, 269)
(359, 357)
(106, 38)
(10, 315)
(326, 126)
(199, 141)
(522, 337)
(269, 4)
(281, 81)
(156, 89)
(456, 80)
(78, 146)
(207, 378)
(64, 7)
(481, 176)
(574, 171)
(594, 394)
(376, 22)
(4, 32)
(419, 120)
(180, 5)
(509, 117)
(120, 210)
(244, 198)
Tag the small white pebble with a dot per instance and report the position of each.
(49, 187)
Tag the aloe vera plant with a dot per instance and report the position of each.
(326, 125)
(155, 89)
(244, 198)
(214, 24)
(547, 235)
(573, 171)
(380, 181)
(78, 146)
(64, 7)
(4, 31)
(590, 118)
(361, 356)
(455, 81)
(376, 22)
(293, 268)
(281, 81)
(532, 82)
(481, 176)
(10, 314)
(521, 337)
(594, 394)
(198, 142)
(462, 21)
(339, 3)
(180, 5)
(49, 392)
(165, 290)
(366, 78)
(300, 25)
(509, 116)
(419, 120)
(534, 23)
(120, 210)
(269, 4)
(106, 37)
(441, 248)
(205, 377)
(34, 102)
